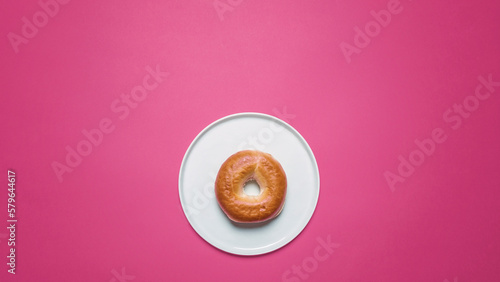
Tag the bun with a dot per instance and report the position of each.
(245, 166)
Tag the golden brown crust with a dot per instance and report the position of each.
(245, 166)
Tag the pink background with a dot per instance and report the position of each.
(119, 210)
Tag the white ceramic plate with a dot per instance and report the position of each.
(212, 147)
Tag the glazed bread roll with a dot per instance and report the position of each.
(245, 166)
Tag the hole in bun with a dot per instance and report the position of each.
(251, 188)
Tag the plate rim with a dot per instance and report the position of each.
(251, 114)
